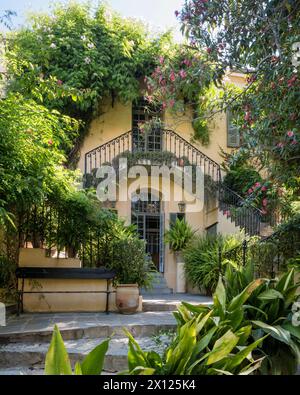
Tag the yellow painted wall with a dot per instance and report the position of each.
(117, 120)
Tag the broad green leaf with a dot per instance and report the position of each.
(270, 294)
(240, 299)
(57, 359)
(294, 330)
(279, 333)
(94, 361)
(222, 347)
(200, 325)
(286, 281)
(237, 359)
(251, 367)
(243, 334)
(77, 369)
(220, 294)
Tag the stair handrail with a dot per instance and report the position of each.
(233, 193)
(220, 184)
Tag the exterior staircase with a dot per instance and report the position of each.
(159, 286)
(233, 206)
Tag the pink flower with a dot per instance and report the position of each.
(250, 191)
(294, 142)
(172, 103)
(187, 62)
(149, 98)
(59, 82)
(264, 188)
(265, 202)
(172, 76)
(247, 116)
(280, 145)
(50, 142)
(161, 60)
(164, 105)
(157, 70)
(182, 74)
(257, 185)
(290, 133)
(227, 213)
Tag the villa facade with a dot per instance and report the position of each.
(116, 133)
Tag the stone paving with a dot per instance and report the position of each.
(44, 322)
(25, 340)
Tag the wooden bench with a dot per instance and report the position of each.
(63, 273)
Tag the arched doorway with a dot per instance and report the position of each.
(146, 214)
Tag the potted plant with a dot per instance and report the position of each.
(178, 236)
(132, 266)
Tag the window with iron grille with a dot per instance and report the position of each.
(142, 112)
(233, 134)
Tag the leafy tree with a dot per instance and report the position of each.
(75, 59)
(258, 39)
(32, 162)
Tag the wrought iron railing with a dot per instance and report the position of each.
(235, 208)
(170, 142)
(270, 255)
(231, 204)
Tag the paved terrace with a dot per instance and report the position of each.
(158, 312)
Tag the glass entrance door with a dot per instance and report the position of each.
(148, 219)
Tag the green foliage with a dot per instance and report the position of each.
(259, 38)
(204, 345)
(58, 362)
(32, 139)
(241, 179)
(182, 82)
(179, 235)
(76, 58)
(202, 260)
(130, 261)
(269, 309)
(7, 273)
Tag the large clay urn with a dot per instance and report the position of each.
(127, 298)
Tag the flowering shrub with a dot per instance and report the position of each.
(267, 109)
(180, 80)
(75, 58)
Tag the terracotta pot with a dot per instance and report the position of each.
(127, 298)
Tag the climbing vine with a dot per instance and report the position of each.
(75, 58)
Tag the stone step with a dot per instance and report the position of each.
(153, 292)
(39, 327)
(32, 356)
(169, 304)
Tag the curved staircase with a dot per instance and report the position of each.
(233, 206)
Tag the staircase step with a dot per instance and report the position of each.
(31, 328)
(171, 303)
(153, 292)
(32, 355)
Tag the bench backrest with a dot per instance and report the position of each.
(65, 273)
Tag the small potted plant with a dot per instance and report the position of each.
(178, 236)
(133, 267)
